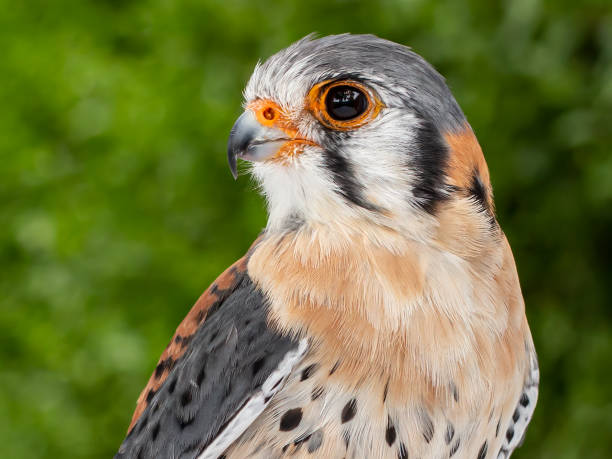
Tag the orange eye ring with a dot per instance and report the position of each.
(317, 98)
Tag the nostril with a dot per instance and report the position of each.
(269, 113)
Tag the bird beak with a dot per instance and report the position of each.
(251, 141)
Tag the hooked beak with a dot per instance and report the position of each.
(252, 141)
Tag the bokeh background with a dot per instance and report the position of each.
(117, 209)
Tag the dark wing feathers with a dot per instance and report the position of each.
(223, 286)
(226, 359)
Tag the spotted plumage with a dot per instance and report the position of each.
(379, 315)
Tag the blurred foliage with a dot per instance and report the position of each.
(117, 208)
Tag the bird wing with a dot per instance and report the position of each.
(216, 376)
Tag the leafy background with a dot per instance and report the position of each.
(117, 208)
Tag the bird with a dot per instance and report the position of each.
(379, 313)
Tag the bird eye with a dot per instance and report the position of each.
(345, 102)
(343, 105)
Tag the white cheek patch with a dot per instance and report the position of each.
(299, 186)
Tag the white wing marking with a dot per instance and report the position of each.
(255, 404)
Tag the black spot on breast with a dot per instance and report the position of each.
(284, 448)
(455, 392)
(308, 371)
(316, 393)
(497, 427)
(150, 395)
(483, 451)
(428, 427)
(454, 448)
(349, 410)
(290, 419)
(524, 399)
(155, 431)
(510, 434)
(257, 365)
(402, 452)
(450, 433)
(334, 368)
(385, 391)
(390, 433)
(315, 441)
(223, 456)
(301, 439)
(516, 415)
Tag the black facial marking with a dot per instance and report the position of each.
(390, 434)
(477, 189)
(344, 177)
(483, 451)
(454, 448)
(290, 419)
(450, 433)
(402, 452)
(429, 158)
(315, 441)
(308, 371)
(349, 410)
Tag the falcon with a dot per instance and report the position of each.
(379, 314)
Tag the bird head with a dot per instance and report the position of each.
(351, 128)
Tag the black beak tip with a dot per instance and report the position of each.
(231, 159)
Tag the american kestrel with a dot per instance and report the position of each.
(379, 314)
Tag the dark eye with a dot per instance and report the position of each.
(345, 102)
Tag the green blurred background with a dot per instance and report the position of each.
(117, 209)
